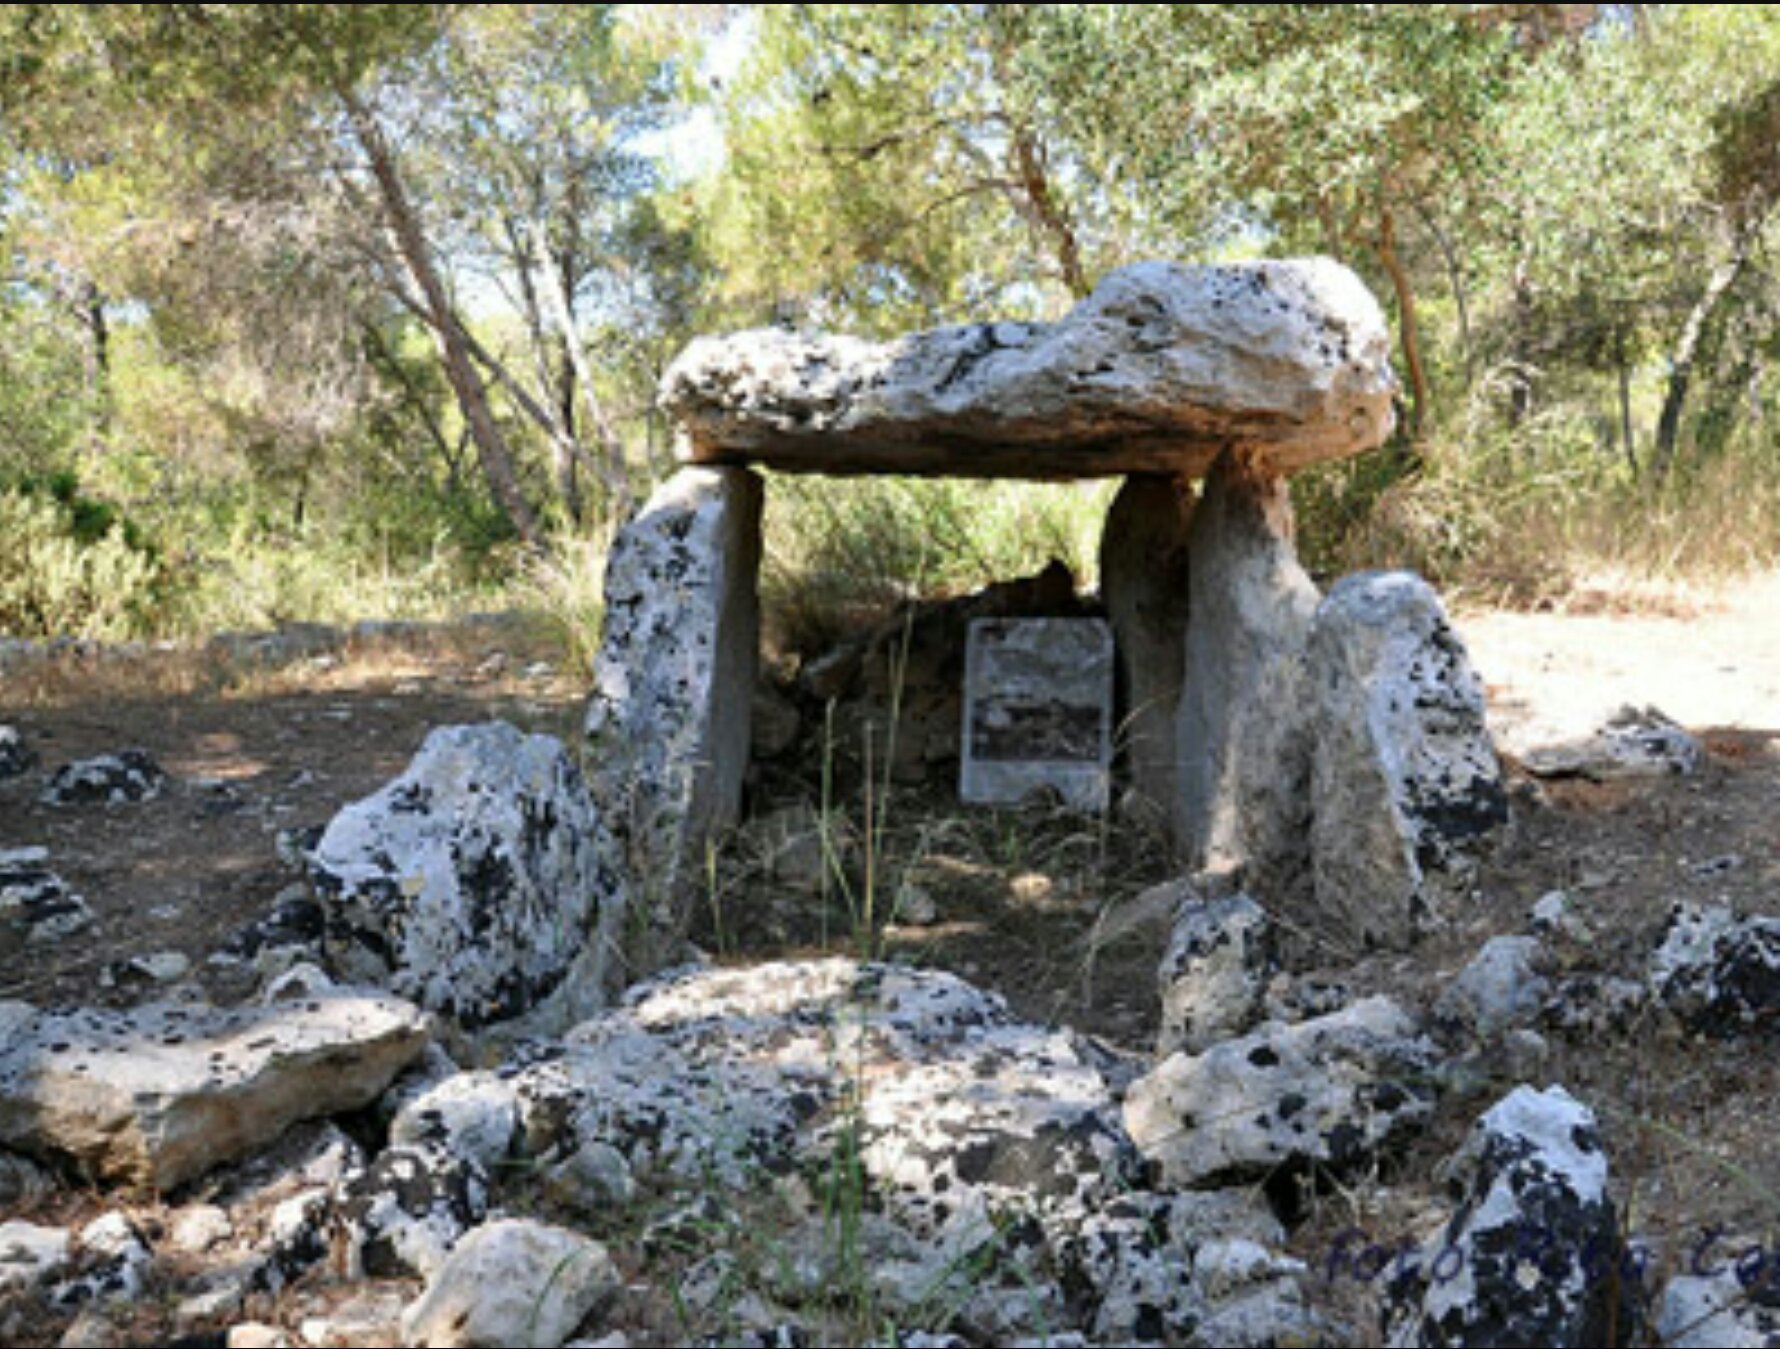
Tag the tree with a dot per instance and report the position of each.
(888, 164)
(1329, 125)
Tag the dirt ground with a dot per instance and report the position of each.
(1027, 902)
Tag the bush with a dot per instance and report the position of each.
(71, 566)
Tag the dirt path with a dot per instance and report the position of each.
(1713, 664)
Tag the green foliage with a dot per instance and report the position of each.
(71, 566)
(840, 554)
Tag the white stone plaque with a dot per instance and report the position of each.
(1038, 698)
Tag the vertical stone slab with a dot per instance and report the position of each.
(1406, 787)
(1144, 583)
(668, 724)
(1243, 729)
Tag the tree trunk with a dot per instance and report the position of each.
(613, 470)
(449, 337)
(1687, 350)
(1042, 209)
(1408, 328)
(1686, 353)
(1626, 437)
(1455, 278)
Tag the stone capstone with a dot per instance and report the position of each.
(1159, 370)
(107, 779)
(674, 678)
(1532, 1255)
(479, 883)
(1215, 973)
(161, 1094)
(1144, 582)
(1243, 732)
(1331, 1093)
(1406, 790)
(514, 1283)
(1718, 972)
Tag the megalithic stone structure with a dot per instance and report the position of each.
(1239, 374)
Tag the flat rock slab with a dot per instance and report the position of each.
(159, 1095)
(1157, 371)
(1038, 710)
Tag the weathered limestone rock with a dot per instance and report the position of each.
(36, 905)
(1634, 743)
(1329, 1092)
(1143, 580)
(1532, 1256)
(1406, 788)
(1720, 1310)
(1214, 976)
(479, 883)
(513, 1283)
(403, 1214)
(1719, 973)
(161, 1094)
(16, 757)
(1503, 986)
(1160, 369)
(1038, 711)
(109, 779)
(32, 1256)
(667, 726)
(1243, 729)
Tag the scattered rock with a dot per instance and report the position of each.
(1144, 580)
(146, 971)
(20, 1180)
(793, 851)
(108, 779)
(1215, 974)
(512, 1283)
(1329, 1093)
(1157, 371)
(36, 904)
(674, 678)
(474, 1116)
(1406, 790)
(1532, 1254)
(479, 883)
(371, 1316)
(1243, 734)
(1588, 1005)
(163, 1093)
(773, 724)
(1555, 915)
(16, 757)
(403, 1214)
(1719, 1311)
(1503, 986)
(256, 1335)
(31, 1257)
(197, 1228)
(592, 1180)
(1634, 743)
(1720, 973)
(112, 1260)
